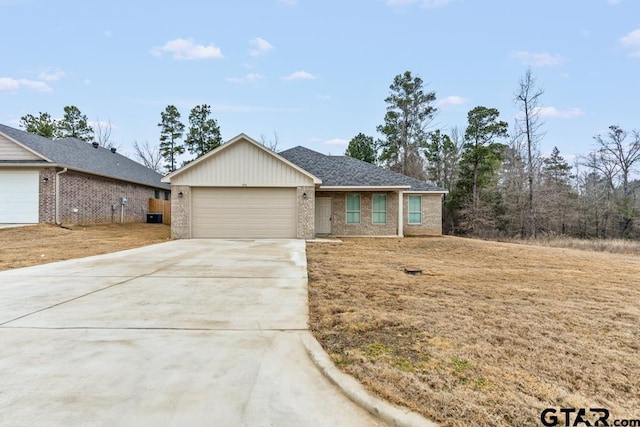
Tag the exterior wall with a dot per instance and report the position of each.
(9, 150)
(306, 227)
(431, 216)
(339, 226)
(180, 212)
(47, 195)
(89, 199)
(242, 164)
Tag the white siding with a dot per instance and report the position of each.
(9, 150)
(19, 196)
(242, 164)
(243, 212)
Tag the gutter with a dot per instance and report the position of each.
(58, 195)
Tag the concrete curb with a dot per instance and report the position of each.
(394, 415)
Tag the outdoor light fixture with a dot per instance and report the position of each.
(46, 179)
(304, 195)
(180, 195)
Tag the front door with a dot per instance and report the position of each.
(323, 215)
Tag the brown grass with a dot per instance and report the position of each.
(616, 246)
(490, 334)
(41, 244)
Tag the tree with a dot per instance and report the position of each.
(103, 134)
(528, 126)
(409, 113)
(481, 159)
(362, 147)
(443, 154)
(171, 131)
(42, 125)
(74, 125)
(556, 191)
(618, 157)
(271, 144)
(148, 155)
(204, 132)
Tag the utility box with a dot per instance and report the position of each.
(154, 218)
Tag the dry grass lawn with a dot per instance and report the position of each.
(41, 244)
(489, 335)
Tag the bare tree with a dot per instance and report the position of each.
(102, 134)
(149, 156)
(528, 126)
(271, 144)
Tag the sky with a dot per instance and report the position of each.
(316, 72)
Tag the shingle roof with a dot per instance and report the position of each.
(80, 155)
(342, 171)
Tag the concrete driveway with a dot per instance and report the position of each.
(189, 332)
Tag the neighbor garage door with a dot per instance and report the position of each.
(243, 212)
(19, 197)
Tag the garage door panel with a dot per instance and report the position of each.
(243, 212)
(19, 197)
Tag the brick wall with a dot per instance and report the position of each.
(431, 216)
(306, 213)
(89, 199)
(366, 227)
(47, 187)
(180, 207)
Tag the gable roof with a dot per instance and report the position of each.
(81, 156)
(230, 143)
(344, 171)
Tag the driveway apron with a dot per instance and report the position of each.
(188, 332)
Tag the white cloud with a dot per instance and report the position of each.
(288, 2)
(613, 2)
(543, 59)
(7, 84)
(300, 75)
(323, 97)
(336, 141)
(632, 42)
(560, 114)
(451, 101)
(427, 4)
(260, 47)
(108, 33)
(87, 82)
(50, 74)
(187, 49)
(249, 78)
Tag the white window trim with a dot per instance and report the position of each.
(386, 208)
(409, 211)
(347, 211)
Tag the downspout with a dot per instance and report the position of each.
(400, 213)
(57, 219)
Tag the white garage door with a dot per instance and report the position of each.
(243, 213)
(19, 200)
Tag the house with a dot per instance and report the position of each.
(68, 181)
(244, 190)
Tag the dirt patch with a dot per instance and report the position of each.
(41, 244)
(489, 334)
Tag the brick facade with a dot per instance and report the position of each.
(180, 211)
(306, 215)
(366, 227)
(90, 199)
(431, 216)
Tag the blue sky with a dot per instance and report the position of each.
(317, 72)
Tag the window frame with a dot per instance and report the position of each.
(353, 212)
(379, 212)
(410, 212)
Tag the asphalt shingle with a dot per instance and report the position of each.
(80, 155)
(338, 171)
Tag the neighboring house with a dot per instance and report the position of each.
(244, 190)
(69, 181)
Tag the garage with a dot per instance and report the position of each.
(19, 196)
(243, 212)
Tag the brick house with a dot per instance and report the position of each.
(69, 181)
(244, 190)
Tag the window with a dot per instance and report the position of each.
(415, 209)
(353, 208)
(166, 195)
(379, 208)
(156, 194)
